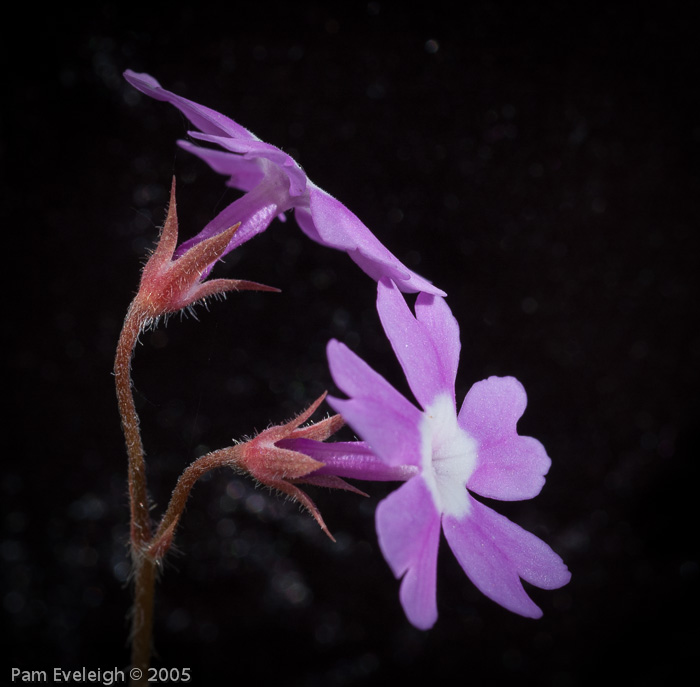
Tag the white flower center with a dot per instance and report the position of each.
(448, 457)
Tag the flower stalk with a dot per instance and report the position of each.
(143, 568)
(167, 285)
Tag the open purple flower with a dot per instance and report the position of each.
(477, 450)
(275, 183)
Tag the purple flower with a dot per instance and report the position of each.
(477, 450)
(275, 183)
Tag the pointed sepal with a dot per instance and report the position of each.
(283, 468)
(170, 284)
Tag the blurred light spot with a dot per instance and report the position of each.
(121, 571)
(255, 503)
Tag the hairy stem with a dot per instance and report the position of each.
(142, 617)
(163, 537)
(143, 567)
(138, 494)
(147, 550)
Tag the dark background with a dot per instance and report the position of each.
(538, 163)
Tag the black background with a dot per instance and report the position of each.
(539, 163)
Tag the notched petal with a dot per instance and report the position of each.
(492, 408)
(414, 346)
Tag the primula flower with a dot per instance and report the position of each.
(451, 454)
(275, 183)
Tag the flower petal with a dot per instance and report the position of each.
(244, 173)
(434, 313)
(205, 119)
(358, 380)
(512, 470)
(492, 408)
(376, 411)
(495, 553)
(392, 435)
(509, 467)
(414, 346)
(253, 212)
(534, 560)
(327, 221)
(408, 529)
(489, 568)
(259, 150)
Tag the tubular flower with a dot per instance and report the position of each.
(274, 183)
(276, 460)
(452, 455)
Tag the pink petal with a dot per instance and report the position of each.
(436, 316)
(255, 211)
(509, 467)
(414, 346)
(512, 470)
(495, 553)
(376, 411)
(259, 150)
(244, 174)
(329, 222)
(393, 436)
(408, 529)
(492, 408)
(534, 560)
(205, 119)
(358, 380)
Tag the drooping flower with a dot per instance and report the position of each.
(452, 454)
(274, 183)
